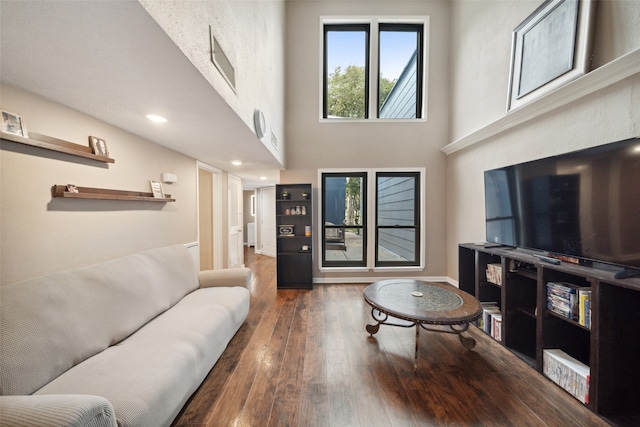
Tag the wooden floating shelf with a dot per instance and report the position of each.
(54, 144)
(105, 194)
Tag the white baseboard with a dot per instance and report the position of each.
(370, 279)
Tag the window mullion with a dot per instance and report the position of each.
(374, 69)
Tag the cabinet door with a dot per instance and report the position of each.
(294, 271)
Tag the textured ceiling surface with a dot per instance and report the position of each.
(112, 61)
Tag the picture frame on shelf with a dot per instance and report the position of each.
(72, 188)
(549, 49)
(286, 230)
(14, 124)
(99, 146)
(156, 189)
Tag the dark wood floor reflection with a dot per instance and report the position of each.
(303, 358)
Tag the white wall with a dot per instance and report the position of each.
(41, 234)
(313, 145)
(481, 32)
(251, 33)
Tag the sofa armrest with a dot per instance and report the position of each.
(225, 277)
(56, 410)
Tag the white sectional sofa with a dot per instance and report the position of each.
(124, 342)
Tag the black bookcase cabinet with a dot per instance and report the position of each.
(610, 347)
(294, 222)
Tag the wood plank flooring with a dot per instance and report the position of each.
(303, 358)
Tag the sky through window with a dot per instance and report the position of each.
(348, 48)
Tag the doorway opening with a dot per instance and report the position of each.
(209, 217)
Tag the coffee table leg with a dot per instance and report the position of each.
(372, 329)
(381, 318)
(415, 359)
(467, 342)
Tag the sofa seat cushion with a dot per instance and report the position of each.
(149, 376)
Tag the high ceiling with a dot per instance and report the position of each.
(112, 61)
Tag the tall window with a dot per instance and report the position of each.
(348, 61)
(399, 79)
(397, 218)
(396, 228)
(344, 215)
(346, 75)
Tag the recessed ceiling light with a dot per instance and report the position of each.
(264, 178)
(155, 118)
(236, 162)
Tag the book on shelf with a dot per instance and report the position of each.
(560, 305)
(558, 310)
(564, 288)
(561, 302)
(487, 318)
(494, 274)
(487, 304)
(488, 309)
(569, 373)
(584, 307)
(496, 326)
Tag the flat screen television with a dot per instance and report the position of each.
(583, 205)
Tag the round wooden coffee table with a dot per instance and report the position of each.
(422, 303)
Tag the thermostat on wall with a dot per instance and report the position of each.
(169, 178)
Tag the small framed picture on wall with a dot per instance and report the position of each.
(99, 146)
(13, 124)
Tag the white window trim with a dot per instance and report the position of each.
(374, 22)
(371, 226)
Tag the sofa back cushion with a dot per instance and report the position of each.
(51, 323)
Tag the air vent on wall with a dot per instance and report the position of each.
(221, 61)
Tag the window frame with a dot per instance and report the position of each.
(351, 27)
(417, 214)
(373, 74)
(369, 223)
(418, 28)
(364, 220)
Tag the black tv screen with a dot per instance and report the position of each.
(584, 204)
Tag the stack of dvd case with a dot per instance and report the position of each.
(562, 298)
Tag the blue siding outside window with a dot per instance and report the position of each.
(402, 100)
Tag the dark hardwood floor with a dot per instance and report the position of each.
(303, 358)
